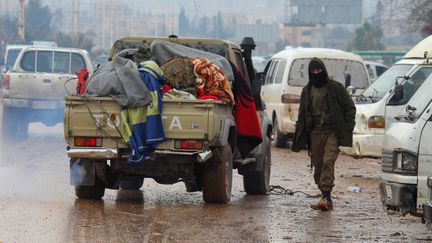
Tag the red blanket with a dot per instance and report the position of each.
(248, 126)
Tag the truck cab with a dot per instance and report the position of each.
(407, 154)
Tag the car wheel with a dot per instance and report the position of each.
(279, 139)
(97, 191)
(131, 182)
(258, 182)
(217, 180)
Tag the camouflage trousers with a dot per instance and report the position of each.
(324, 152)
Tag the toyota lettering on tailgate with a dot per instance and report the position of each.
(102, 120)
(175, 123)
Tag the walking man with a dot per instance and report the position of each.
(326, 120)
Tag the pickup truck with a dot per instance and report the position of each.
(33, 89)
(200, 148)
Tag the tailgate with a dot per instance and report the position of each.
(181, 120)
(41, 85)
(185, 120)
(81, 115)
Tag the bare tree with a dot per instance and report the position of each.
(420, 18)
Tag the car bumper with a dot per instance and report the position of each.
(365, 145)
(287, 125)
(34, 104)
(398, 197)
(109, 153)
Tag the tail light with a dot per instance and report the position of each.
(290, 99)
(87, 142)
(192, 144)
(376, 122)
(5, 81)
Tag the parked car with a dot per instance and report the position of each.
(287, 73)
(34, 88)
(375, 69)
(372, 116)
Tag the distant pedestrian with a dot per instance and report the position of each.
(326, 120)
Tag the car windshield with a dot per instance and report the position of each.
(12, 56)
(383, 84)
(419, 101)
(337, 69)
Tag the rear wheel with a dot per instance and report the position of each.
(258, 182)
(280, 140)
(97, 191)
(131, 182)
(217, 180)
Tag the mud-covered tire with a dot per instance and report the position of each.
(14, 122)
(97, 191)
(131, 182)
(217, 178)
(279, 139)
(258, 182)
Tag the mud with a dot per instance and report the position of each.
(37, 204)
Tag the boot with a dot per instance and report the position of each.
(323, 205)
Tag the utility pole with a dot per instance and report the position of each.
(21, 21)
(75, 16)
(111, 22)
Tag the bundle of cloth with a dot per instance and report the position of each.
(142, 126)
(134, 79)
(136, 88)
(211, 82)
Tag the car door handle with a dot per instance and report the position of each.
(47, 80)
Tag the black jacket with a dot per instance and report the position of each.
(342, 111)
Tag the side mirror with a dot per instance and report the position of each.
(398, 92)
(351, 90)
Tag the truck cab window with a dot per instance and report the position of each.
(61, 62)
(239, 60)
(44, 61)
(77, 62)
(28, 61)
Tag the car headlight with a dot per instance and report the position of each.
(406, 161)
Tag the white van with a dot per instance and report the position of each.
(407, 156)
(371, 104)
(287, 73)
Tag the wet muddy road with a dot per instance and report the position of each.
(37, 204)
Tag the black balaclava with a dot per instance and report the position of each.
(320, 79)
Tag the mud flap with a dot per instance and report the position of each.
(253, 167)
(82, 172)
